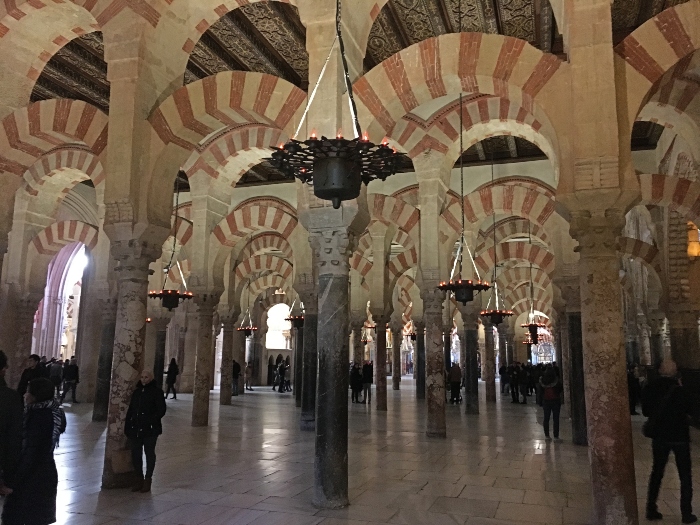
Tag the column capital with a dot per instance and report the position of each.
(133, 257)
(597, 233)
(570, 288)
(433, 298)
(656, 321)
(206, 301)
(470, 313)
(109, 309)
(332, 250)
(419, 324)
(307, 287)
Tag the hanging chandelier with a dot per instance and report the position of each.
(250, 328)
(296, 320)
(171, 297)
(336, 167)
(463, 289)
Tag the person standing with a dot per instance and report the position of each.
(236, 375)
(633, 389)
(35, 482)
(71, 378)
(513, 375)
(551, 390)
(248, 376)
(668, 406)
(31, 372)
(455, 376)
(11, 415)
(281, 373)
(524, 381)
(171, 378)
(367, 380)
(143, 426)
(56, 375)
(356, 382)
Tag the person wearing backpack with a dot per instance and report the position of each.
(35, 482)
(668, 406)
(143, 426)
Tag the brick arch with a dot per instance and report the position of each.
(523, 293)
(51, 239)
(32, 32)
(270, 299)
(654, 48)
(402, 262)
(33, 131)
(676, 119)
(488, 64)
(508, 228)
(681, 195)
(272, 280)
(364, 244)
(360, 264)
(245, 146)
(226, 100)
(390, 210)
(520, 275)
(261, 263)
(502, 199)
(408, 292)
(260, 244)
(182, 229)
(265, 214)
(523, 307)
(541, 257)
(63, 168)
(646, 253)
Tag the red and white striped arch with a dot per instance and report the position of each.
(408, 293)
(509, 228)
(232, 152)
(679, 121)
(51, 239)
(681, 195)
(266, 242)
(402, 262)
(518, 276)
(263, 263)
(544, 259)
(655, 47)
(489, 64)
(391, 210)
(31, 132)
(645, 252)
(259, 214)
(226, 100)
(182, 230)
(523, 293)
(268, 281)
(360, 264)
(523, 307)
(510, 199)
(63, 168)
(270, 299)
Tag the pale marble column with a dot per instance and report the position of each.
(206, 303)
(396, 365)
(435, 361)
(357, 350)
(419, 364)
(226, 389)
(488, 364)
(104, 360)
(332, 250)
(611, 450)
(380, 361)
(127, 360)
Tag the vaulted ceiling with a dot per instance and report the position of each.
(269, 37)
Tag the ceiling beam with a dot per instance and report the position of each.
(512, 146)
(480, 151)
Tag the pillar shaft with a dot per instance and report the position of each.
(308, 392)
(127, 358)
(419, 365)
(332, 249)
(239, 347)
(204, 362)
(159, 360)
(397, 338)
(576, 381)
(380, 362)
(23, 327)
(656, 340)
(607, 410)
(471, 342)
(502, 338)
(685, 339)
(488, 363)
(226, 388)
(104, 360)
(435, 361)
(298, 364)
(357, 346)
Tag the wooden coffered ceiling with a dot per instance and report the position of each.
(269, 37)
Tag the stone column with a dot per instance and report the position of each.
(298, 364)
(127, 360)
(357, 350)
(332, 250)
(206, 303)
(447, 347)
(656, 341)
(181, 339)
(239, 344)
(161, 326)
(23, 326)
(419, 365)
(435, 361)
(510, 350)
(488, 363)
(470, 315)
(576, 380)
(685, 340)
(644, 343)
(397, 339)
(380, 360)
(308, 292)
(104, 360)
(609, 426)
(502, 343)
(226, 388)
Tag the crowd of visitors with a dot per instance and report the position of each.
(64, 376)
(361, 379)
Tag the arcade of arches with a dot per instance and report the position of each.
(139, 131)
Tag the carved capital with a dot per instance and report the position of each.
(432, 300)
(307, 288)
(206, 302)
(598, 234)
(331, 250)
(133, 258)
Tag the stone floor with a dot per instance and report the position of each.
(254, 466)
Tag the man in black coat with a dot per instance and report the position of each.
(33, 371)
(668, 406)
(71, 378)
(236, 375)
(11, 415)
(143, 426)
(367, 380)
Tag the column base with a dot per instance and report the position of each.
(307, 426)
(326, 504)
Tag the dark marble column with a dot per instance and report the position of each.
(419, 365)
(471, 335)
(310, 368)
(181, 338)
(159, 359)
(206, 303)
(502, 338)
(488, 364)
(104, 360)
(435, 361)
(611, 450)
(397, 338)
(380, 361)
(579, 429)
(656, 340)
(226, 388)
(332, 250)
(239, 344)
(132, 274)
(510, 350)
(298, 364)
(447, 345)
